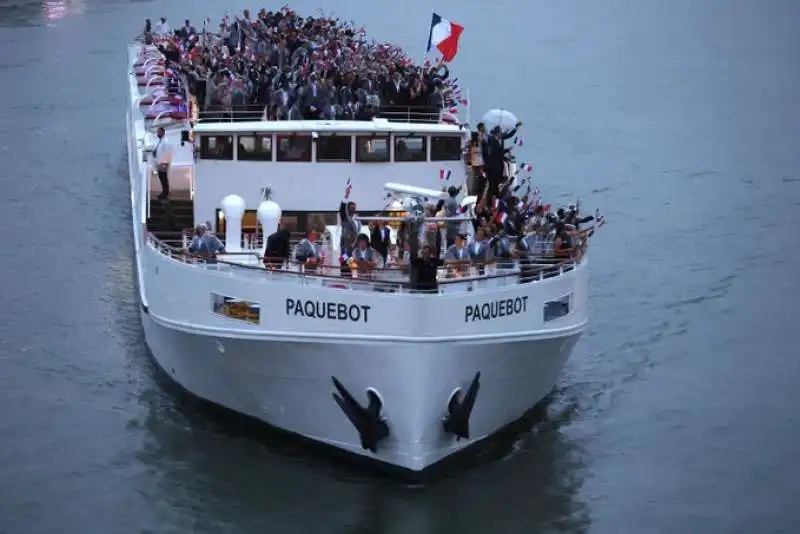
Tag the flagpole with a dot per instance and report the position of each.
(469, 103)
(428, 41)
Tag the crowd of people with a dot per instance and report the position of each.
(295, 67)
(504, 226)
(285, 66)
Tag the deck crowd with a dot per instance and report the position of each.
(296, 67)
(508, 222)
(285, 67)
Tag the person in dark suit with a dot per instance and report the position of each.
(277, 249)
(396, 92)
(379, 239)
(495, 157)
(423, 271)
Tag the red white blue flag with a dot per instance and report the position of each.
(444, 36)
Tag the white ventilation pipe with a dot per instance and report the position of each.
(233, 209)
(269, 215)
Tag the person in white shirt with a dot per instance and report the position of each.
(162, 29)
(162, 156)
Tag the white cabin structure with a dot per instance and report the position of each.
(306, 165)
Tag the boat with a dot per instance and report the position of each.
(359, 362)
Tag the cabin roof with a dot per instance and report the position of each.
(381, 126)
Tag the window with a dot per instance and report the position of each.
(255, 148)
(239, 309)
(410, 148)
(249, 221)
(372, 149)
(446, 148)
(319, 220)
(334, 148)
(291, 222)
(556, 309)
(216, 147)
(294, 148)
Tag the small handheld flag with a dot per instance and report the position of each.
(599, 218)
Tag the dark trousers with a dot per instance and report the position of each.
(163, 177)
(200, 94)
(494, 175)
(494, 188)
(478, 182)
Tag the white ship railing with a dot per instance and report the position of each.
(394, 279)
(247, 113)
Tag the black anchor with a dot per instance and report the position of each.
(459, 409)
(371, 427)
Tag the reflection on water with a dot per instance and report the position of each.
(54, 9)
(217, 474)
(38, 12)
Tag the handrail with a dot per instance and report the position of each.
(526, 272)
(248, 113)
(237, 114)
(149, 71)
(138, 101)
(410, 114)
(159, 99)
(160, 115)
(146, 61)
(153, 79)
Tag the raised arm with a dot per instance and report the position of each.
(513, 132)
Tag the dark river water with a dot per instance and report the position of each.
(678, 410)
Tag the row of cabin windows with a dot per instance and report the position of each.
(298, 221)
(330, 148)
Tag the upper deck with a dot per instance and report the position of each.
(377, 126)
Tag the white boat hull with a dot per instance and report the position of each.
(413, 350)
(288, 384)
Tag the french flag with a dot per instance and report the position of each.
(344, 257)
(501, 218)
(348, 188)
(444, 174)
(444, 36)
(499, 204)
